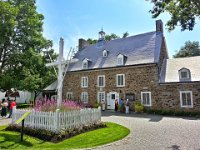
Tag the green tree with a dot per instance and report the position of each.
(108, 37)
(183, 12)
(189, 49)
(126, 34)
(21, 43)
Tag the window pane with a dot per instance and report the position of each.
(122, 80)
(183, 74)
(119, 61)
(147, 99)
(112, 96)
(189, 103)
(144, 98)
(184, 103)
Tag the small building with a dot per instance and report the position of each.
(50, 91)
(137, 68)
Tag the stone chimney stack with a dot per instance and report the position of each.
(159, 26)
(82, 43)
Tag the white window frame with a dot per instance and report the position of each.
(180, 74)
(123, 80)
(69, 95)
(85, 64)
(120, 60)
(98, 78)
(84, 97)
(142, 98)
(181, 100)
(105, 53)
(84, 82)
(99, 97)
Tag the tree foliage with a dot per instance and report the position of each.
(189, 49)
(108, 37)
(183, 12)
(21, 42)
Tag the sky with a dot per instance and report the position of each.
(74, 19)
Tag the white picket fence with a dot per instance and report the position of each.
(55, 121)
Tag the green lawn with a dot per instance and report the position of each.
(113, 132)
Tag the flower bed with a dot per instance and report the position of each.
(56, 137)
(50, 105)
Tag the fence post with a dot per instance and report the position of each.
(13, 114)
(56, 120)
(99, 117)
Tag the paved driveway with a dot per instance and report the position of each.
(152, 132)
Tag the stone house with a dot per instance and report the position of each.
(136, 68)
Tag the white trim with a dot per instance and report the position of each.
(187, 72)
(84, 82)
(71, 95)
(150, 104)
(103, 80)
(191, 97)
(84, 97)
(85, 64)
(98, 97)
(105, 53)
(121, 62)
(123, 80)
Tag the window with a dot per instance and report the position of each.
(146, 98)
(85, 64)
(186, 99)
(112, 96)
(69, 95)
(120, 80)
(84, 97)
(184, 74)
(130, 96)
(105, 53)
(101, 81)
(120, 59)
(100, 96)
(84, 82)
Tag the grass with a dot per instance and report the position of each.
(113, 132)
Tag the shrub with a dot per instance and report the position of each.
(139, 107)
(173, 112)
(56, 137)
(21, 106)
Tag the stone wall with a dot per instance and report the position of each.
(168, 96)
(137, 79)
(163, 54)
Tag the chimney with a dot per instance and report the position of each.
(159, 26)
(82, 44)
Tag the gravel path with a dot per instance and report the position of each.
(5, 121)
(152, 132)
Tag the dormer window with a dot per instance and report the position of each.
(105, 53)
(184, 74)
(120, 60)
(85, 64)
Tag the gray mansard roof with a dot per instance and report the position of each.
(171, 67)
(139, 49)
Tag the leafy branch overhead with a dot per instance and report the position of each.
(183, 13)
(189, 49)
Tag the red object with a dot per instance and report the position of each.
(13, 103)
